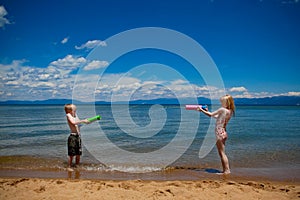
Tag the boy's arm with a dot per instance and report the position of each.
(72, 120)
(85, 121)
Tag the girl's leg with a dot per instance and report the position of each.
(224, 159)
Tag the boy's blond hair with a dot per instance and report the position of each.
(69, 107)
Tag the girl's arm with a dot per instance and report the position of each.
(214, 114)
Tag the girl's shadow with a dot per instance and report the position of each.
(212, 171)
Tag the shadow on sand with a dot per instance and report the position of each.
(212, 171)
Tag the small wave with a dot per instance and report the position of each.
(135, 169)
(51, 164)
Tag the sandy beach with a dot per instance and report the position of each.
(49, 188)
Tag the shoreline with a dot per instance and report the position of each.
(59, 188)
(36, 167)
(167, 175)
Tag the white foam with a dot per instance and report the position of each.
(135, 169)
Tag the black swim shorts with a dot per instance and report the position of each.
(74, 145)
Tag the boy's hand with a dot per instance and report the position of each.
(86, 121)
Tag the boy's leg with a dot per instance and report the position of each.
(78, 150)
(77, 159)
(70, 163)
(71, 151)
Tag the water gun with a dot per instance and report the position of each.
(92, 119)
(195, 107)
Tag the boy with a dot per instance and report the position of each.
(74, 140)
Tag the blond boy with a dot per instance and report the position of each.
(74, 140)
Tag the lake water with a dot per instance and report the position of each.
(263, 140)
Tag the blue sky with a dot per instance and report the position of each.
(255, 45)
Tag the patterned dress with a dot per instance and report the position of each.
(222, 115)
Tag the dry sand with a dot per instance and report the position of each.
(36, 188)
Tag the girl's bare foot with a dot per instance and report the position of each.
(224, 173)
(227, 172)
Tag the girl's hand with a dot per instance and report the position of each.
(200, 109)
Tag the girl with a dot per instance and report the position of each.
(222, 116)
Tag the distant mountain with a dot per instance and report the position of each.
(276, 100)
(39, 102)
(201, 100)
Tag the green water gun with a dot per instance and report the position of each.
(92, 119)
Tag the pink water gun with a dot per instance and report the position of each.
(195, 107)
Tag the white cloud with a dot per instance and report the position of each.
(238, 89)
(3, 20)
(65, 40)
(123, 86)
(21, 82)
(18, 81)
(241, 92)
(95, 64)
(179, 82)
(91, 44)
(42, 84)
(245, 95)
(12, 83)
(68, 63)
(15, 65)
(292, 94)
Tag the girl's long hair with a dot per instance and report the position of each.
(229, 102)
